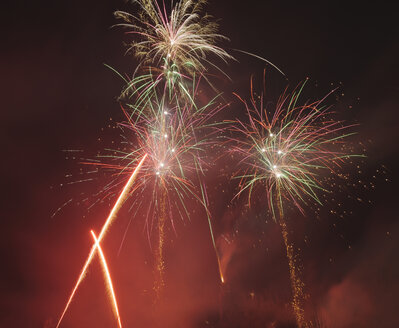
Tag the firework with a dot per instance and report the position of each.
(182, 39)
(175, 140)
(172, 47)
(107, 277)
(175, 48)
(285, 152)
(118, 204)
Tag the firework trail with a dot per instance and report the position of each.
(108, 278)
(118, 204)
(285, 152)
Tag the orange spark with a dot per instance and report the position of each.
(108, 277)
(121, 199)
(221, 273)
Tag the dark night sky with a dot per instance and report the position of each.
(57, 94)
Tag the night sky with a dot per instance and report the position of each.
(57, 95)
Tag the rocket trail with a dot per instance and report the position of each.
(205, 201)
(108, 277)
(121, 199)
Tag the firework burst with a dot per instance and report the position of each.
(285, 152)
(172, 47)
(183, 38)
(175, 140)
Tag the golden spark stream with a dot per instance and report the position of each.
(118, 204)
(160, 265)
(108, 278)
(296, 282)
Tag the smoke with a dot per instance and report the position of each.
(367, 294)
(347, 304)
